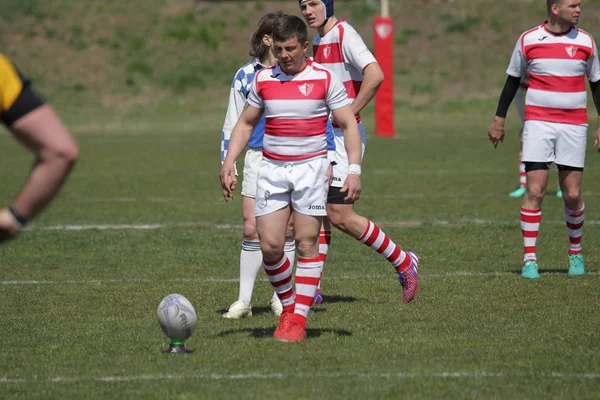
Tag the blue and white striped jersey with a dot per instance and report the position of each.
(240, 87)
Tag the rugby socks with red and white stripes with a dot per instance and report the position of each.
(308, 274)
(279, 273)
(376, 239)
(530, 226)
(574, 227)
(324, 243)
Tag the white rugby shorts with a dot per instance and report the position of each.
(251, 165)
(303, 184)
(340, 170)
(563, 144)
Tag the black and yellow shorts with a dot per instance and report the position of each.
(17, 98)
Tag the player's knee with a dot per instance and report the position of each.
(271, 248)
(338, 217)
(307, 246)
(250, 230)
(289, 234)
(289, 231)
(67, 152)
(71, 153)
(535, 192)
(571, 196)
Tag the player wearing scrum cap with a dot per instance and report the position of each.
(341, 49)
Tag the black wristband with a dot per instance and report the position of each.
(23, 220)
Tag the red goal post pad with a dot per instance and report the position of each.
(384, 99)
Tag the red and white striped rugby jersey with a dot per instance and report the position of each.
(343, 51)
(525, 81)
(558, 65)
(296, 108)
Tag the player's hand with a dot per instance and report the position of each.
(8, 228)
(597, 140)
(353, 186)
(329, 174)
(228, 180)
(496, 132)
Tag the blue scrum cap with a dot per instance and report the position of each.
(328, 7)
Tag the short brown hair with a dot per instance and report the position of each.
(549, 4)
(288, 27)
(265, 27)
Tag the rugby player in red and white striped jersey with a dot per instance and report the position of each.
(296, 97)
(559, 57)
(341, 49)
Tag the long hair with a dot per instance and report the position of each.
(265, 27)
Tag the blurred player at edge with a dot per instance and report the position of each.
(296, 96)
(559, 57)
(341, 49)
(37, 127)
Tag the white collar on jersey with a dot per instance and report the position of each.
(309, 63)
(258, 65)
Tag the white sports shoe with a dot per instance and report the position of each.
(239, 309)
(276, 305)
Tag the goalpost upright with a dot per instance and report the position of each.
(384, 44)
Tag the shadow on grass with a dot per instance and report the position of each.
(332, 299)
(264, 333)
(320, 308)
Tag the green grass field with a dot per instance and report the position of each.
(143, 85)
(79, 302)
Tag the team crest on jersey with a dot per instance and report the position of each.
(327, 52)
(384, 30)
(571, 51)
(306, 88)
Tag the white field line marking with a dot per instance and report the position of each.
(233, 280)
(413, 195)
(135, 227)
(438, 171)
(393, 224)
(340, 375)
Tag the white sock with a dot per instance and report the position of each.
(290, 251)
(250, 264)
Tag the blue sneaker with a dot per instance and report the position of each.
(318, 299)
(576, 265)
(530, 269)
(518, 192)
(559, 193)
(409, 279)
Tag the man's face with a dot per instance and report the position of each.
(314, 13)
(569, 11)
(291, 55)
